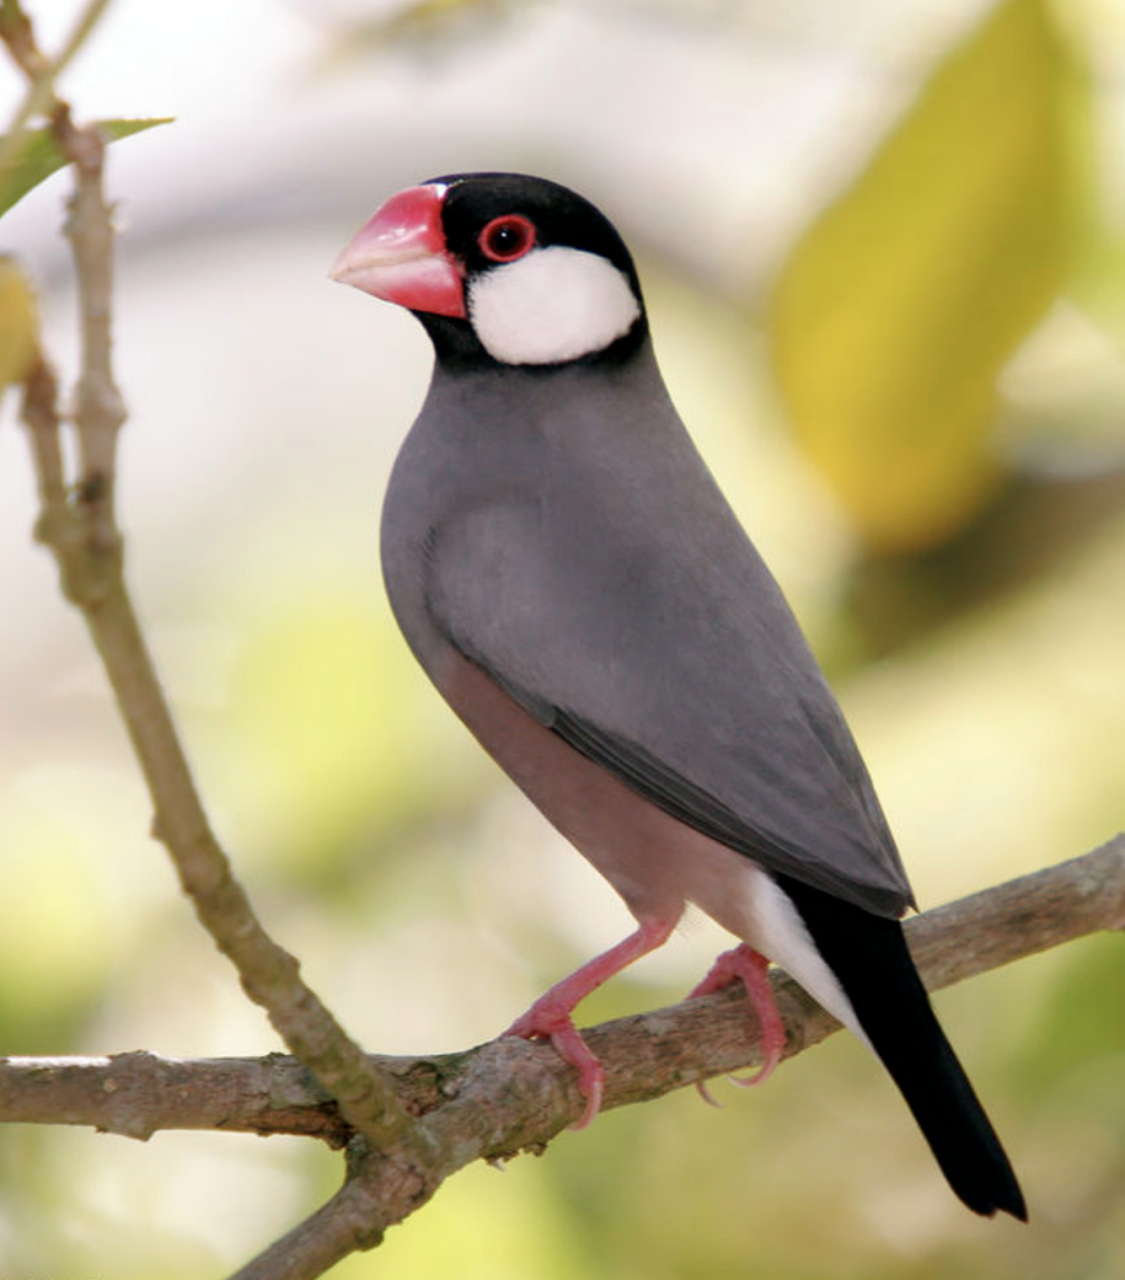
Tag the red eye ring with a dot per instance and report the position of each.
(507, 238)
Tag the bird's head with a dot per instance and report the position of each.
(502, 268)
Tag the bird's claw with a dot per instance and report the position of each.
(746, 965)
(707, 1095)
(542, 1022)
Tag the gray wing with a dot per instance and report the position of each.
(672, 660)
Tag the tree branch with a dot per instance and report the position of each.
(81, 532)
(17, 33)
(342, 1226)
(526, 1090)
(408, 1123)
(506, 1096)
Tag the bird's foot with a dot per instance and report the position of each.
(547, 1020)
(751, 968)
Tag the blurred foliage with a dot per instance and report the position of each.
(419, 26)
(429, 908)
(36, 156)
(52, 970)
(1031, 530)
(895, 313)
(329, 743)
(1093, 981)
(18, 324)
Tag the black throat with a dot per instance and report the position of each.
(459, 351)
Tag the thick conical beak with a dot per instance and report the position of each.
(400, 255)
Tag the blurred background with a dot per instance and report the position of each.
(883, 245)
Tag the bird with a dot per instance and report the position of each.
(570, 576)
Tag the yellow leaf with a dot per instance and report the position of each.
(19, 329)
(894, 314)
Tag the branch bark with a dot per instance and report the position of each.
(408, 1123)
(493, 1101)
(526, 1090)
(78, 526)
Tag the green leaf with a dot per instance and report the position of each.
(895, 313)
(38, 156)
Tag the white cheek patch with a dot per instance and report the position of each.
(551, 306)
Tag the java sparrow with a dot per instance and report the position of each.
(567, 571)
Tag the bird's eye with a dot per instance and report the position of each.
(507, 238)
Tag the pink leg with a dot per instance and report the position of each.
(752, 968)
(549, 1018)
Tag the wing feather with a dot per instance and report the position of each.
(684, 675)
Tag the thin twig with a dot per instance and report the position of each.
(40, 413)
(409, 1124)
(16, 32)
(83, 537)
(99, 410)
(352, 1220)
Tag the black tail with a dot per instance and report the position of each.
(869, 957)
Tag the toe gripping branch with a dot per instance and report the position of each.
(750, 967)
(551, 1016)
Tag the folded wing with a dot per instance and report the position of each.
(686, 678)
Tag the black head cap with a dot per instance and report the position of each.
(560, 217)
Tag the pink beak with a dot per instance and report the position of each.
(400, 255)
